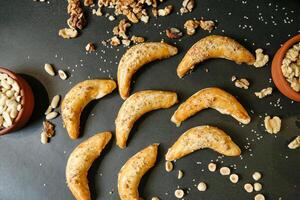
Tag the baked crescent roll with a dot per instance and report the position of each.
(133, 170)
(80, 161)
(215, 98)
(201, 137)
(136, 57)
(78, 97)
(214, 46)
(137, 105)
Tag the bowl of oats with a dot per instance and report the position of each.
(16, 101)
(286, 69)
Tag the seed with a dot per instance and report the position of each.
(44, 138)
(169, 166)
(256, 176)
(3, 100)
(1, 121)
(234, 178)
(180, 174)
(179, 193)
(257, 187)
(16, 87)
(248, 187)
(55, 101)
(212, 167)
(7, 120)
(19, 107)
(18, 98)
(49, 69)
(9, 93)
(154, 198)
(14, 113)
(259, 197)
(49, 110)
(51, 115)
(62, 75)
(224, 171)
(202, 187)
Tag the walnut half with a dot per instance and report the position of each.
(68, 33)
(272, 125)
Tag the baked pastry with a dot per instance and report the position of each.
(133, 170)
(215, 98)
(136, 57)
(214, 46)
(80, 161)
(137, 105)
(78, 97)
(201, 137)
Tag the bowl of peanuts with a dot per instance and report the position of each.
(16, 101)
(286, 69)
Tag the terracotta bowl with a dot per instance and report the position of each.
(27, 102)
(277, 76)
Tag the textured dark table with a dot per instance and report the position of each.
(28, 39)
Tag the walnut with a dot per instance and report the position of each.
(77, 19)
(207, 25)
(191, 26)
(126, 42)
(88, 2)
(145, 19)
(264, 92)
(48, 128)
(136, 39)
(121, 29)
(97, 12)
(272, 125)
(90, 47)
(68, 33)
(261, 59)
(132, 17)
(173, 33)
(165, 11)
(114, 41)
(242, 83)
(187, 6)
(295, 143)
(154, 12)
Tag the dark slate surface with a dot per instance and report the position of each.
(28, 39)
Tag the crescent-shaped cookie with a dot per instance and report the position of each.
(78, 97)
(136, 57)
(201, 137)
(215, 98)
(214, 46)
(137, 105)
(80, 161)
(133, 170)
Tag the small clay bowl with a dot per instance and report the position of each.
(27, 102)
(277, 76)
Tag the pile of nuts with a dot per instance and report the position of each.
(192, 24)
(291, 67)
(10, 100)
(76, 20)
